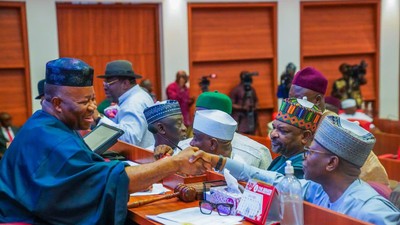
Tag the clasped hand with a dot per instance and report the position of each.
(192, 158)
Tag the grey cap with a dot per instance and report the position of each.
(119, 68)
(345, 139)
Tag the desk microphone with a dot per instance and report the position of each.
(153, 130)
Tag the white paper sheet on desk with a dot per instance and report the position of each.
(131, 163)
(193, 216)
(156, 190)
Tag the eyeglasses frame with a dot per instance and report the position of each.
(308, 150)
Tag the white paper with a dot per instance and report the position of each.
(193, 216)
(156, 190)
(131, 163)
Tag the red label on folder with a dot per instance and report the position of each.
(257, 201)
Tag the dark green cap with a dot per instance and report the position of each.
(215, 100)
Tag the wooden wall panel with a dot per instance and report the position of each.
(222, 33)
(100, 33)
(13, 96)
(11, 44)
(336, 32)
(226, 39)
(339, 29)
(15, 90)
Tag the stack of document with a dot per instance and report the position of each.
(193, 216)
(156, 189)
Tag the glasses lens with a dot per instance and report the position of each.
(224, 209)
(206, 207)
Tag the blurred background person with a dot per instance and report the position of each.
(179, 91)
(332, 104)
(8, 132)
(40, 88)
(286, 81)
(148, 87)
(348, 86)
(245, 103)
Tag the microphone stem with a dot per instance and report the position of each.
(171, 142)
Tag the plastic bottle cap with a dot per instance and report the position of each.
(289, 168)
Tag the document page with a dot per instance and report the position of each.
(193, 216)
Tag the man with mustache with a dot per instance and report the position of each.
(121, 87)
(331, 170)
(293, 129)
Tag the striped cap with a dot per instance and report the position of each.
(299, 113)
(161, 110)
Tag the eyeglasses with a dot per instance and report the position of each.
(223, 209)
(108, 84)
(308, 150)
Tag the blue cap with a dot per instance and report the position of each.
(69, 72)
(161, 110)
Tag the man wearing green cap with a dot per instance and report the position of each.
(252, 152)
(54, 177)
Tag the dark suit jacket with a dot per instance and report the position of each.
(3, 140)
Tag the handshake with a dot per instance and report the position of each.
(191, 159)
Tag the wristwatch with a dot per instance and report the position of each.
(219, 163)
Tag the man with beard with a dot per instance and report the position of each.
(121, 88)
(50, 176)
(293, 129)
(165, 121)
(331, 169)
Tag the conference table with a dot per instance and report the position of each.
(313, 214)
(138, 215)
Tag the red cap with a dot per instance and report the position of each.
(312, 79)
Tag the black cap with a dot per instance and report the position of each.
(40, 87)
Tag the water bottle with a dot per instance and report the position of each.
(291, 199)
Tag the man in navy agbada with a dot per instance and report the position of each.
(50, 176)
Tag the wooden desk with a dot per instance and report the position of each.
(138, 215)
(313, 215)
(133, 152)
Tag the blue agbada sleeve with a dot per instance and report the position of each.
(84, 193)
(49, 176)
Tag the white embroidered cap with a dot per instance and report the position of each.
(215, 123)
